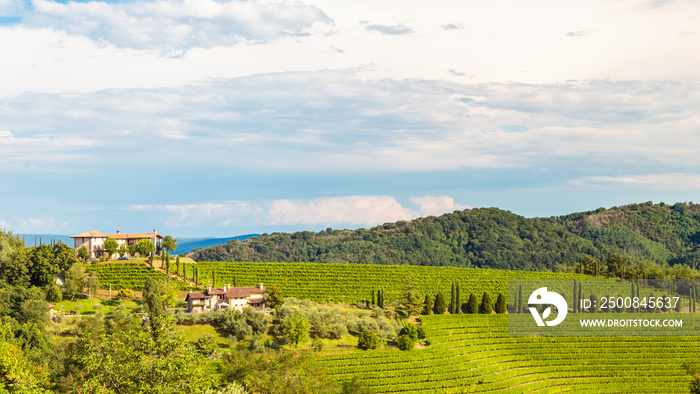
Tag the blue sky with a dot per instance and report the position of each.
(219, 118)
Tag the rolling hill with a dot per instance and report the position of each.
(489, 238)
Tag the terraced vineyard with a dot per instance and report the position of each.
(350, 283)
(473, 353)
(127, 275)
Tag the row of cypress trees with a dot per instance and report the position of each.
(377, 298)
(472, 306)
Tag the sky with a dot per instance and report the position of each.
(221, 118)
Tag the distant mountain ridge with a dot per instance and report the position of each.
(29, 239)
(490, 238)
(184, 245)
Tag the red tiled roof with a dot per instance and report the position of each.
(235, 292)
(144, 235)
(197, 296)
(97, 234)
(89, 234)
(240, 292)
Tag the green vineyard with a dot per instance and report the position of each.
(127, 275)
(474, 354)
(350, 283)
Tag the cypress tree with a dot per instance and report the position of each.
(575, 299)
(458, 298)
(501, 303)
(520, 299)
(452, 300)
(693, 304)
(473, 304)
(374, 301)
(440, 303)
(580, 294)
(428, 305)
(177, 266)
(486, 306)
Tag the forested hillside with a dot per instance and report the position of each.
(490, 238)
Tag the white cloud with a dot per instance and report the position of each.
(436, 206)
(172, 24)
(327, 122)
(391, 30)
(672, 181)
(31, 225)
(348, 210)
(10, 7)
(354, 210)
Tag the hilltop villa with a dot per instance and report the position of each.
(94, 241)
(216, 298)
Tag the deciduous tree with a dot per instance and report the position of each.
(169, 243)
(274, 298)
(93, 284)
(75, 280)
(296, 329)
(83, 253)
(110, 246)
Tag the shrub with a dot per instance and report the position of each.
(125, 294)
(54, 294)
(317, 344)
(421, 333)
(405, 342)
(354, 387)
(411, 330)
(368, 340)
(207, 345)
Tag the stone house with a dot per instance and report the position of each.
(94, 241)
(216, 298)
